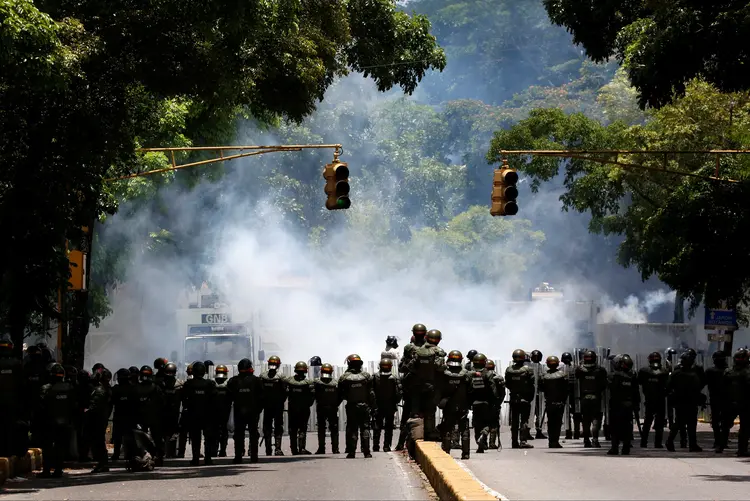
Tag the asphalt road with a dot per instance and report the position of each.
(387, 476)
(575, 473)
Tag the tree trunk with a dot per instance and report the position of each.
(75, 341)
(17, 326)
(679, 309)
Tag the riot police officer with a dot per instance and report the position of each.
(327, 408)
(200, 397)
(387, 390)
(59, 407)
(123, 419)
(274, 397)
(454, 391)
(685, 385)
(355, 387)
(150, 411)
(470, 359)
(301, 397)
(498, 390)
(482, 396)
(718, 395)
(171, 392)
(554, 385)
(99, 410)
(245, 392)
(624, 399)
(419, 331)
(592, 381)
(11, 397)
(519, 378)
(184, 415)
(738, 380)
(573, 411)
(653, 381)
(426, 365)
(159, 365)
(223, 409)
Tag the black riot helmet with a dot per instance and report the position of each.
(692, 353)
(553, 362)
(104, 376)
(391, 342)
(34, 352)
(84, 377)
(208, 363)
(470, 356)
(56, 373)
(96, 367)
(654, 360)
(354, 362)
(479, 361)
(519, 356)
(687, 360)
(589, 358)
(566, 358)
(6, 348)
(71, 374)
(122, 376)
(199, 370)
(315, 361)
(170, 370)
(245, 366)
(536, 356)
(159, 363)
(741, 357)
(300, 369)
(434, 336)
(419, 330)
(670, 352)
(720, 359)
(625, 363)
(146, 373)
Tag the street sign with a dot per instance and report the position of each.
(714, 337)
(720, 319)
(216, 318)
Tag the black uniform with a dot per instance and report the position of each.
(387, 388)
(246, 393)
(58, 407)
(719, 401)
(34, 371)
(100, 408)
(738, 382)
(624, 399)
(123, 419)
(327, 411)
(200, 395)
(653, 381)
(498, 392)
(274, 396)
(519, 379)
(406, 382)
(221, 419)
(150, 413)
(685, 385)
(170, 423)
(481, 394)
(592, 381)
(425, 367)
(301, 397)
(555, 386)
(12, 404)
(356, 388)
(455, 403)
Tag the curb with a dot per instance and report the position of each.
(450, 481)
(14, 466)
(4, 470)
(702, 420)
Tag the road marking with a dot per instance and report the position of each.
(486, 487)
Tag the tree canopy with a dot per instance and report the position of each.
(687, 231)
(663, 45)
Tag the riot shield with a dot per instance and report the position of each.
(603, 354)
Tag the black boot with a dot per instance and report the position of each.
(493, 439)
(277, 446)
(335, 443)
(303, 444)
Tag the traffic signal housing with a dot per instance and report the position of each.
(504, 191)
(337, 188)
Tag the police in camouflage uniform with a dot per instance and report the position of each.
(738, 381)
(301, 397)
(274, 397)
(200, 397)
(425, 367)
(653, 382)
(519, 378)
(58, 410)
(554, 386)
(498, 390)
(624, 400)
(455, 384)
(719, 396)
(223, 409)
(592, 381)
(387, 388)
(481, 396)
(419, 331)
(246, 394)
(355, 386)
(327, 408)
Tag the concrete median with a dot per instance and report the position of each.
(450, 481)
(4, 470)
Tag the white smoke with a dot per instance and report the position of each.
(635, 310)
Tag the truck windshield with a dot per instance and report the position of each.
(227, 350)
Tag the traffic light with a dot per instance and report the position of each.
(336, 175)
(504, 191)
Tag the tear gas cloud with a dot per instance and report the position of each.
(351, 310)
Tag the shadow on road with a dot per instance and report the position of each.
(724, 478)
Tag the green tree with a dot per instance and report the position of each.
(84, 85)
(682, 229)
(663, 45)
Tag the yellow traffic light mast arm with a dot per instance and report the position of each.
(596, 156)
(244, 151)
